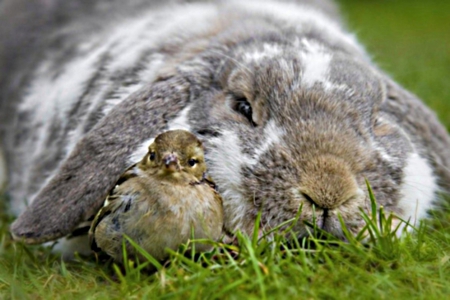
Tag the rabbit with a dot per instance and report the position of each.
(291, 110)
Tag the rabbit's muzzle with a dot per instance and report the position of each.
(327, 190)
(327, 183)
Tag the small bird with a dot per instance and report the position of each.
(161, 202)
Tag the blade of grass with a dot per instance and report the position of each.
(144, 253)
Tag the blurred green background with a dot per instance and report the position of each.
(410, 40)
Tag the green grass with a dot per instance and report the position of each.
(384, 266)
(408, 39)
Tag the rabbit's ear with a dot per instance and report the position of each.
(78, 189)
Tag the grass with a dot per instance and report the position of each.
(416, 266)
(408, 39)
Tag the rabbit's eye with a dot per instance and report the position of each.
(244, 108)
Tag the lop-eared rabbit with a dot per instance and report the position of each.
(292, 112)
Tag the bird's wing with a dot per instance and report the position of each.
(116, 203)
(84, 227)
(116, 200)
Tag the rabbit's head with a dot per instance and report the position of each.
(296, 125)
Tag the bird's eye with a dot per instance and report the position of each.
(192, 162)
(152, 156)
(244, 108)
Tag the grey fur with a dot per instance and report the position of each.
(330, 125)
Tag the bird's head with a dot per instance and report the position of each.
(175, 152)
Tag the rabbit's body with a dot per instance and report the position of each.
(290, 108)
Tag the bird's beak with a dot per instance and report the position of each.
(171, 162)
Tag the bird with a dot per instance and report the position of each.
(161, 202)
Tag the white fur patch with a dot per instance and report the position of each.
(140, 152)
(268, 50)
(225, 160)
(315, 64)
(181, 121)
(418, 190)
(272, 135)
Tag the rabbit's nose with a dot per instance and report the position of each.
(328, 182)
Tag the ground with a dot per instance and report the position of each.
(410, 40)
